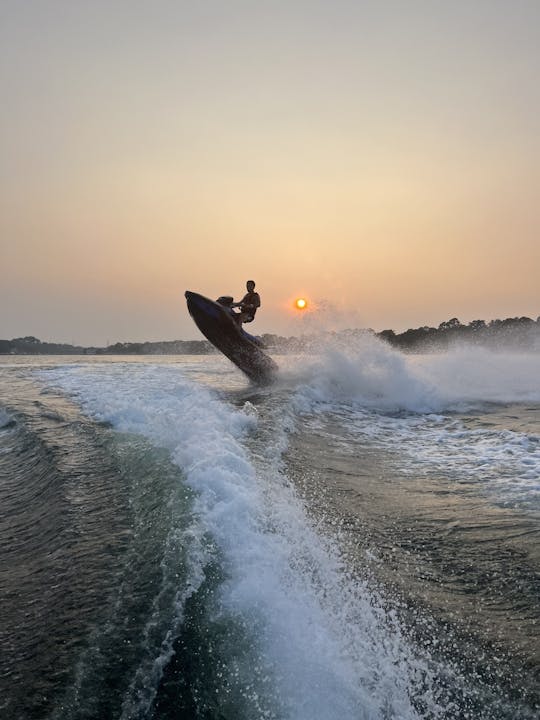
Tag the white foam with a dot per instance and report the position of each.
(369, 373)
(320, 636)
(409, 402)
(470, 375)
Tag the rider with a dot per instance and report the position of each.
(248, 304)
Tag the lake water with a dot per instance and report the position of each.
(359, 540)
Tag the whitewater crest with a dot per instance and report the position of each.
(433, 413)
(368, 373)
(320, 641)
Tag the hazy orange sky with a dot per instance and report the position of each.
(380, 158)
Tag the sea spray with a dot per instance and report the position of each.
(329, 647)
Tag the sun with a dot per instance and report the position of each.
(300, 303)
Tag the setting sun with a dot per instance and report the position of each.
(300, 304)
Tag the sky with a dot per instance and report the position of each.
(381, 159)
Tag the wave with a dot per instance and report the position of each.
(306, 638)
(369, 373)
(440, 411)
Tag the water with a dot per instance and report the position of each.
(360, 540)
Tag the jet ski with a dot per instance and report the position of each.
(216, 321)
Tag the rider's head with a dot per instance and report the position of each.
(250, 285)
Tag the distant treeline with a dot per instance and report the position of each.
(516, 332)
(32, 346)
